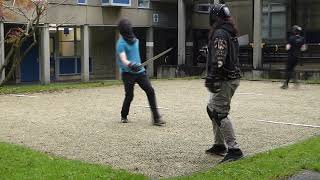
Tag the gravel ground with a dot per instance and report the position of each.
(84, 124)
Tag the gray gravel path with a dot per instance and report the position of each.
(306, 175)
(84, 124)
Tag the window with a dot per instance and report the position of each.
(143, 3)
(69, 42)
(105, 2)
(274, 20)
(116, 2)
(70, 51)
(82, 2)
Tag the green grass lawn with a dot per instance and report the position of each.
(34, 88)
(275, 164)
(17, 162)
(53, 87)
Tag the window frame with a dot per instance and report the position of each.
(269, 17)
(82, 3)
(111, 3)
(144, 7)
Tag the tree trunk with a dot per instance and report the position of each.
(15, 51)
(16, 62)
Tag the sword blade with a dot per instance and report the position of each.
(156, 57)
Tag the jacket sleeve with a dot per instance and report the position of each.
(220, 46)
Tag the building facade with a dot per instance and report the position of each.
(264, 27)
(79, 38)
(77, 41)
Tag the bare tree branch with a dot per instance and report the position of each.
(26, 52)
(58, 4)
(17, 37)
(13, 9)
(16, 62)
(23, 13)
(14, 2)
(33, 13)
(64, 22)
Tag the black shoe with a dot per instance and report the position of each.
(284, 86)
(158, 122)
(232, 155)
(217, 149)
(124, 120)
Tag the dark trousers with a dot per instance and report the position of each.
(292, 63)
(129, 81)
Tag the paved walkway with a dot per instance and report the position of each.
(84, 124)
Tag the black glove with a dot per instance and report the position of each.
(213, 84)
(135, 67)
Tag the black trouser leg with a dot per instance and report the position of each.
(129, 82)
(145, 84)
(288, 76)
(290, 69)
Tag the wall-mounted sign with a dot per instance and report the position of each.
(155, 17)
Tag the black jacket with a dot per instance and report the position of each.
(223, 59)
(296, 42)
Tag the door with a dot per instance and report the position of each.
(30, 64)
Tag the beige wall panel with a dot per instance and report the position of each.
(75, 2)
(67, 14)
(64, 1)
(15, 17)
(94, 15)
(138, 17)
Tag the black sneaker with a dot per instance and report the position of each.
(284, 86)
(158, 122)
(217, 149)
(124, 120)
(232, 155)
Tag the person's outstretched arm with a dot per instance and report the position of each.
(124, 59)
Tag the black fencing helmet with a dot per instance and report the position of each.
(218, 11)
(296, 29)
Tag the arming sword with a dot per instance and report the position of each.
(156, 57)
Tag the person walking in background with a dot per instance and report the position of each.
(295, 45)
(129, 61)
(223, 78)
